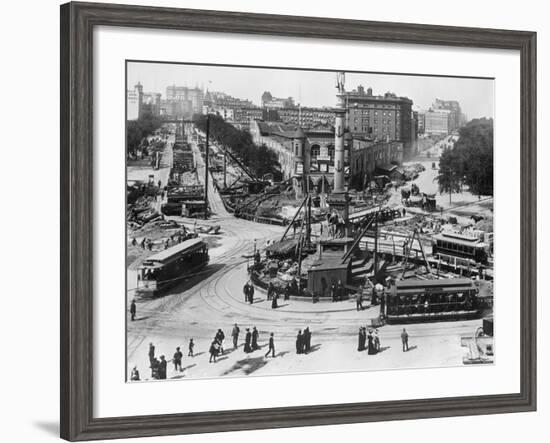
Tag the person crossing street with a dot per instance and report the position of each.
(271, 348)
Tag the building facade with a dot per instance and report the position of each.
(306, 155)
(381, 117)
(137, 99)
(436, 122)
(182, 101)
(369, 158)
(270, 102)
(455, 112)
(306, 117)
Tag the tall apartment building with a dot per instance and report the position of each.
(381, 117)
(136, 99)
(305, 117)
(455, 112)
(182, 101)
(270, 102)
(437, 122)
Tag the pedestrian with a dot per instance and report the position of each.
(362, 338)
(359, 299)
(246, 291)
(333, 292)
(274, 304)
(270, 290)
(287, 292)
(247, 339)
(177, 359)
(162, 368)
(383, 305)
(405, 340)
(134, 242)
(251, 293)
(214, 347)
(151, 352)
(220, 337)
(376, 340)
(134, 376)
(255, 335)
(271, 347)
(299, 342)
(191, 348)
(160, 183)
(133, 310)
(370, 345)
(235, 334)
(307, 340)
(143, 243)
(155, 364)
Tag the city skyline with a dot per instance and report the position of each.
(313, 88)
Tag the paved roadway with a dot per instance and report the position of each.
(214, 299)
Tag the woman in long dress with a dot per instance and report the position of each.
(371, 348)
(361, 345)
(247, 340)
(299, 342)
(274, 304)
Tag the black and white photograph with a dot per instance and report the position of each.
(295, 221)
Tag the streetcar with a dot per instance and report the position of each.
(424, 300)
(159, 272)
(459, 245)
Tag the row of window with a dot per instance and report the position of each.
(455, 247)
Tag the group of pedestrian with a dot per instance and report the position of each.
(303, 341)
(368, 340)
(174, 239)
(216, 347)
(146, 243)
(248, 291)
(251, 340)
(159, 365)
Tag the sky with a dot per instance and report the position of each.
(313, 88)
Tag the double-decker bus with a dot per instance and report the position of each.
(167, 268)
(424, 300)
(460, 245)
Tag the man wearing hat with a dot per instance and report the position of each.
(178, 355)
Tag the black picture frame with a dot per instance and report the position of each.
(77, 23)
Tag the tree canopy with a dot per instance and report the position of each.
(470, 161)
(260, 159)
(137, 130)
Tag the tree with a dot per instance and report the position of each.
(469, 162)
(475, 145)
(450, 176)
(137, 130)
(260, 159)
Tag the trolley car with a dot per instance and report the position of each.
(167, 268)
(425, 300)
(459, 245)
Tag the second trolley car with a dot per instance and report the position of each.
(424, 300)
(460, 245)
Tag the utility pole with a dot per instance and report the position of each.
(225, 169)
(206, 167)
(376, 246)
(308, 230)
